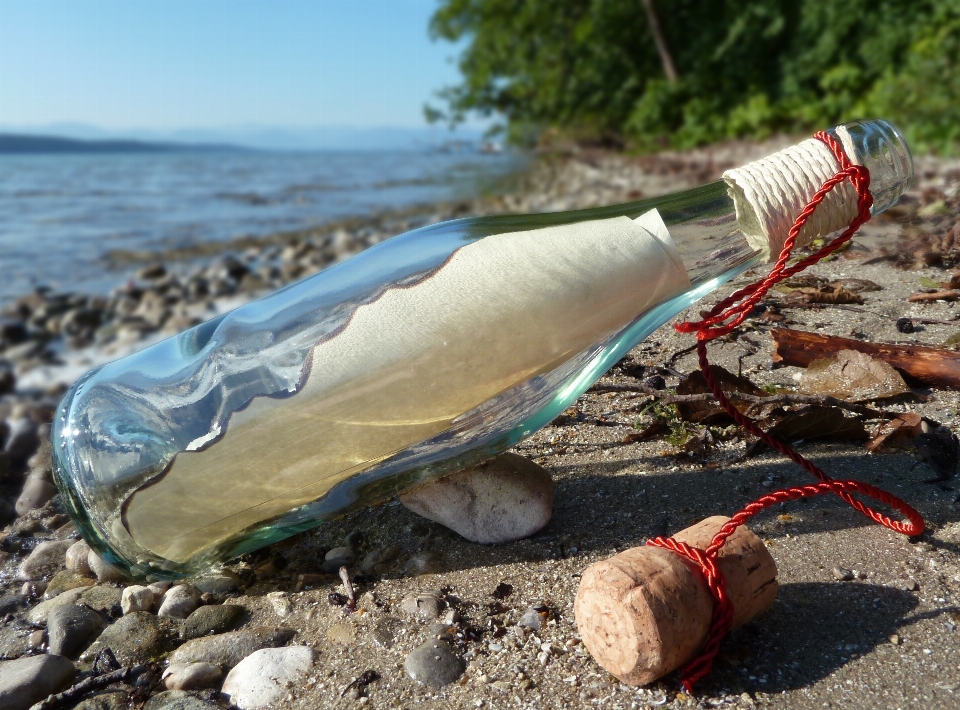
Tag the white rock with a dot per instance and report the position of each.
(78, 558)
(179, 601)
(280, 601)
(507, 498)
(191, 676)
(261, 679)
(105, 571)
(136, 598)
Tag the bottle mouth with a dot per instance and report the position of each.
(879, 147)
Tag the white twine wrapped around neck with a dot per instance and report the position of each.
(769, 194)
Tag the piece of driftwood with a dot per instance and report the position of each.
(934, 367)
(647, 611)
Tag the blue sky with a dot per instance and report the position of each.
(170, 64)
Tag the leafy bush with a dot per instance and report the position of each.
(590, 69)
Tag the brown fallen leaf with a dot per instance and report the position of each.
(852, 376)
(856, 285)
(813, 422)
(948, 295)
(709, 412)
(895, 434)
(828, 295)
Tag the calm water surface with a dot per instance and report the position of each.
(60, 215)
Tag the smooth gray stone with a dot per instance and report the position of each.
(505, 499)
(139, 637)
(46, 560)
(177, 700)
(70, 628)
(35, 494)
(213, 619)
(28, 680)
(227, 650)
(261, 679)
(434, 663)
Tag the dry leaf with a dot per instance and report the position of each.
(852, 376)
(814, 422)
(710, 412)
(828, 294)
(856, 285)
(894, 434)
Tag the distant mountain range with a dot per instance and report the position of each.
(11, 143)
(92, 138)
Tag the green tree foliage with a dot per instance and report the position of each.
(590, 68)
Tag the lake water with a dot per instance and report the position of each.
(60, 215)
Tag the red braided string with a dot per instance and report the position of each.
(737, 307)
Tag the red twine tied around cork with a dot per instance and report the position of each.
(737, 307)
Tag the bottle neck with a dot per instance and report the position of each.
(716, 227)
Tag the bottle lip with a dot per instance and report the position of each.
(880, 147)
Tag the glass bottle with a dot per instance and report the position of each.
(428, 353)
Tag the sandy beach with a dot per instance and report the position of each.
(864, 618)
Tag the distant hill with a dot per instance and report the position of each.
(265, 137)
(12, 143)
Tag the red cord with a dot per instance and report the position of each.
(737, 307)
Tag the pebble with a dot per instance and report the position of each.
(36, 492)
(104, 571)
(41, 612)
(213, 619)
(228, 649)
(28, 680)
(76, 558)
(337, 557)
(179, 601)
(70, 628)
(508, 498)
(426, 605)
(533, 618)
(177, 700)
(139, 637)
(192, 676)
(280, 601)
(45, 560)
(434, 663)
(136, 598)
(843, 575)
(262, 678)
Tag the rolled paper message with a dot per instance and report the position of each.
(647, 611)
